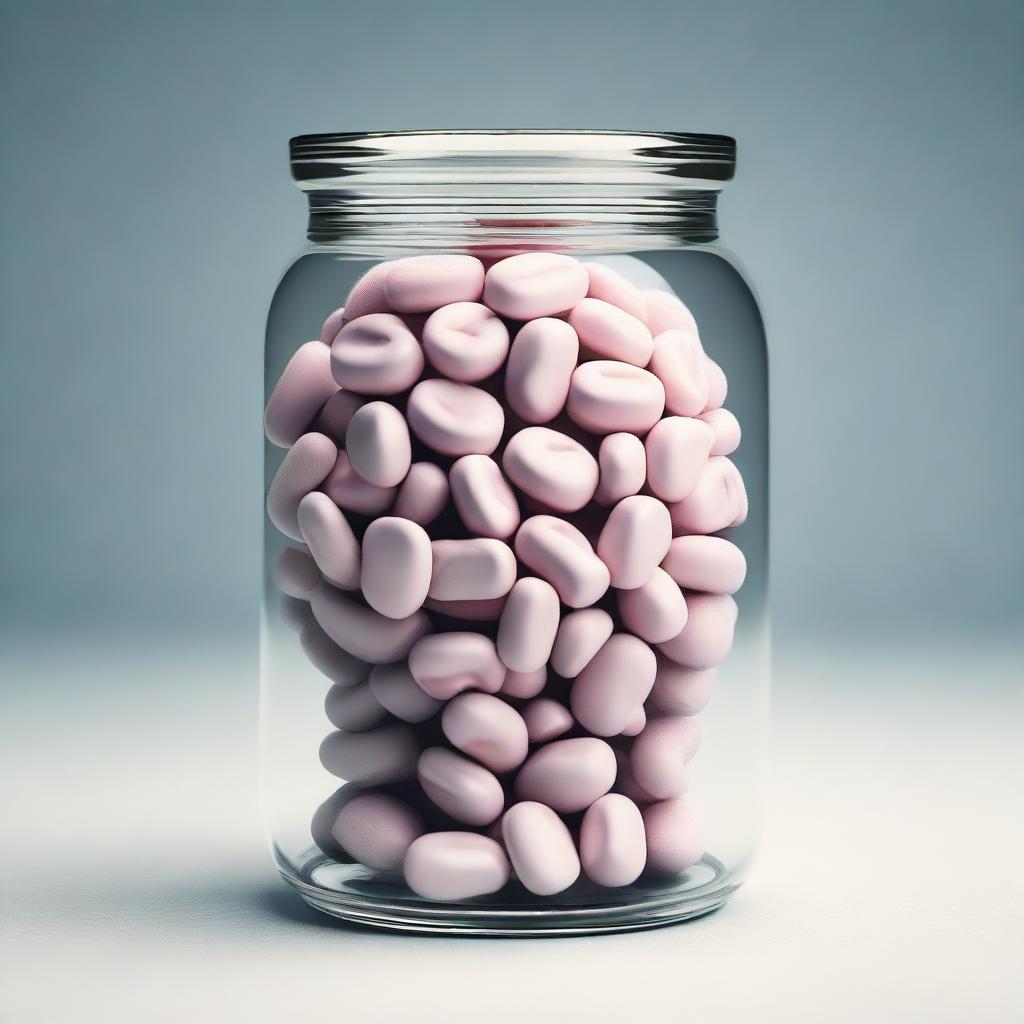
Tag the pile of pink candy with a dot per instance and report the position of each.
(507, 480)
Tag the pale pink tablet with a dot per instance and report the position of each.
(610, 286)
(567, 775)
(347, 489)
(634, 540)
(306, 465)
(446, 664)
(328, 658)
(535, 284)
(377, 829)
(486, 729)
(558, 552)
(296, 573)
(478, 569)
(675, 837)
(336, 414)
(540, 848)
(488, 610)
(607, 396)
(397, 692)
(580, 636)
(332, 544)
(332, 325)
(462, 789)
(386, 754)
(483, 497)
(718, 386)
(677, 449)
(614, 684)
(396, 566)
(659, 755)
(636, 723)
(523, 685)
(378, 444)
(666, 312)
(367, 294)
(465, 341)
(528, 624)
(551, 467)
(711, 564)
(626, 784)
(455, 419)
(376, 355)
(423, 494)
(540, 365)
(608, 332)
(353, 708)
(718, 501)
(679, 363)
(418, 284)
(623, 467)
(546, 719)
(363, 632)
(655, 612)
(707, 637)
(613, 844)
(455, 866)
(678, 690)
(726, 430)
(299, 394)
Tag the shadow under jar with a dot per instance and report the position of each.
(515, 633)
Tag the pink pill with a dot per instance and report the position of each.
(636, 723)
(332, 543)
(718, 501)
(551, 467)
(711, 564)
(546, 719)
(347, 489)
(455, 419)
(580, 636)
(623, 467)
(294, 613)
(635, 539)
(615, 683)
(477, 569)
(423, 495)
(567, 775)
(353, 708)
(613, 844)
(678, 690)
(718, 386)
(523, 685)
(327, 657)
(386, 754)
(296, 573)
(535, 284)
(679, 363)
(659, 755)
(378, 444)
(298, 396)
(610, 286)
(558, 552)
(606, 397)
(487, 729)
(675, 839)
(363, 632)
(626, 784)
(540, 847)
(607, 331)
(655, 612)
(484, 500)
(465, 341)
(302, 470)
(377, 829)
(446, 664)
(677, 450)
(332, 325)
(398, 693)
(540, 366)
(666, 312)
(707, 636)
(462, 789)
(529, 622)
(472, 611)
(367, 294)
(397, 563)
(455, 866)
(418, 284)
(336, 414)
(376, 355)
(726, 430)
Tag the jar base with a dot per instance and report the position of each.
(358, 896)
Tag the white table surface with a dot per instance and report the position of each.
(137, 885)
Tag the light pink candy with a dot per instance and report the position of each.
(666, 312)
(610, 286)
(613, 846)
(610, 332)
(539, 369)
(726, 430)
(523, 685)
(396, 566)
(332, 543)
(336, 415)
(418, 284)
(655, 612)
(678, 690)
(540, 848)
(659, 755)
(711, 564)
(546, 719)
(378, 444)
(679, 363)
(529, 622)
(487, 729)
(615, 683)
(623, 467)
(535, 284)
(449, 663)
(478, 569)
(306, 465)
(606, 397)
(567, 775)
(455, 866)
(299, 394)
(465, 341)
(455, 419)
(707, 637)
(328, 658)
(718, 386)
(636, 723)
(347, 489)
(462, 789)
(551, 467)
(580, 636)
(353, 708)
(397, 692)
(367, 294)
(330, 327)
(385, 754)
(677, 449)
(717, 502)
(377, 830)
(485, 502)
(296, 573)
(675, 839)
(376, 355)
(634, 540)
(558, 552)
(423, 494)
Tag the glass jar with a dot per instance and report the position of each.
(387, 597)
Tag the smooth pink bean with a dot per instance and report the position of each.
(377, 829)
(397, 692)
(396, 567)
(483, 498)
(614, 684)
(607, 396)
(353, 708)
(523, 685)
(477, 569)
(609, 332)
(610, 286)
(666, 312)
(332, 543)
(659, 755)
(551, 467)
(717, 502)
(423, 494)
(347, 489)
(378, 444)
(446, 664)
(376, 355)
(679, 363)
(540, 848)
(535, 284)
(707, 637)
(418, 284)
(455, 419)
(655, 612)
(711, 564)
(558, 552)
(634, 540)
(455, 866)
(623, 467)
(677, 449)
(328, 658)
(330, 327)
(465, 341)
(336, 415)
(298, 396)
(302, 470)
(540, 366)
(678, 690)
(386, 754)
(529, 622)
(487, 729)
(580, 636)
(296, 573)
(726, 430)
(675, 839)
(567, 775)
(718, 386)
(466, 791)
(546, 719)
(613, 845)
